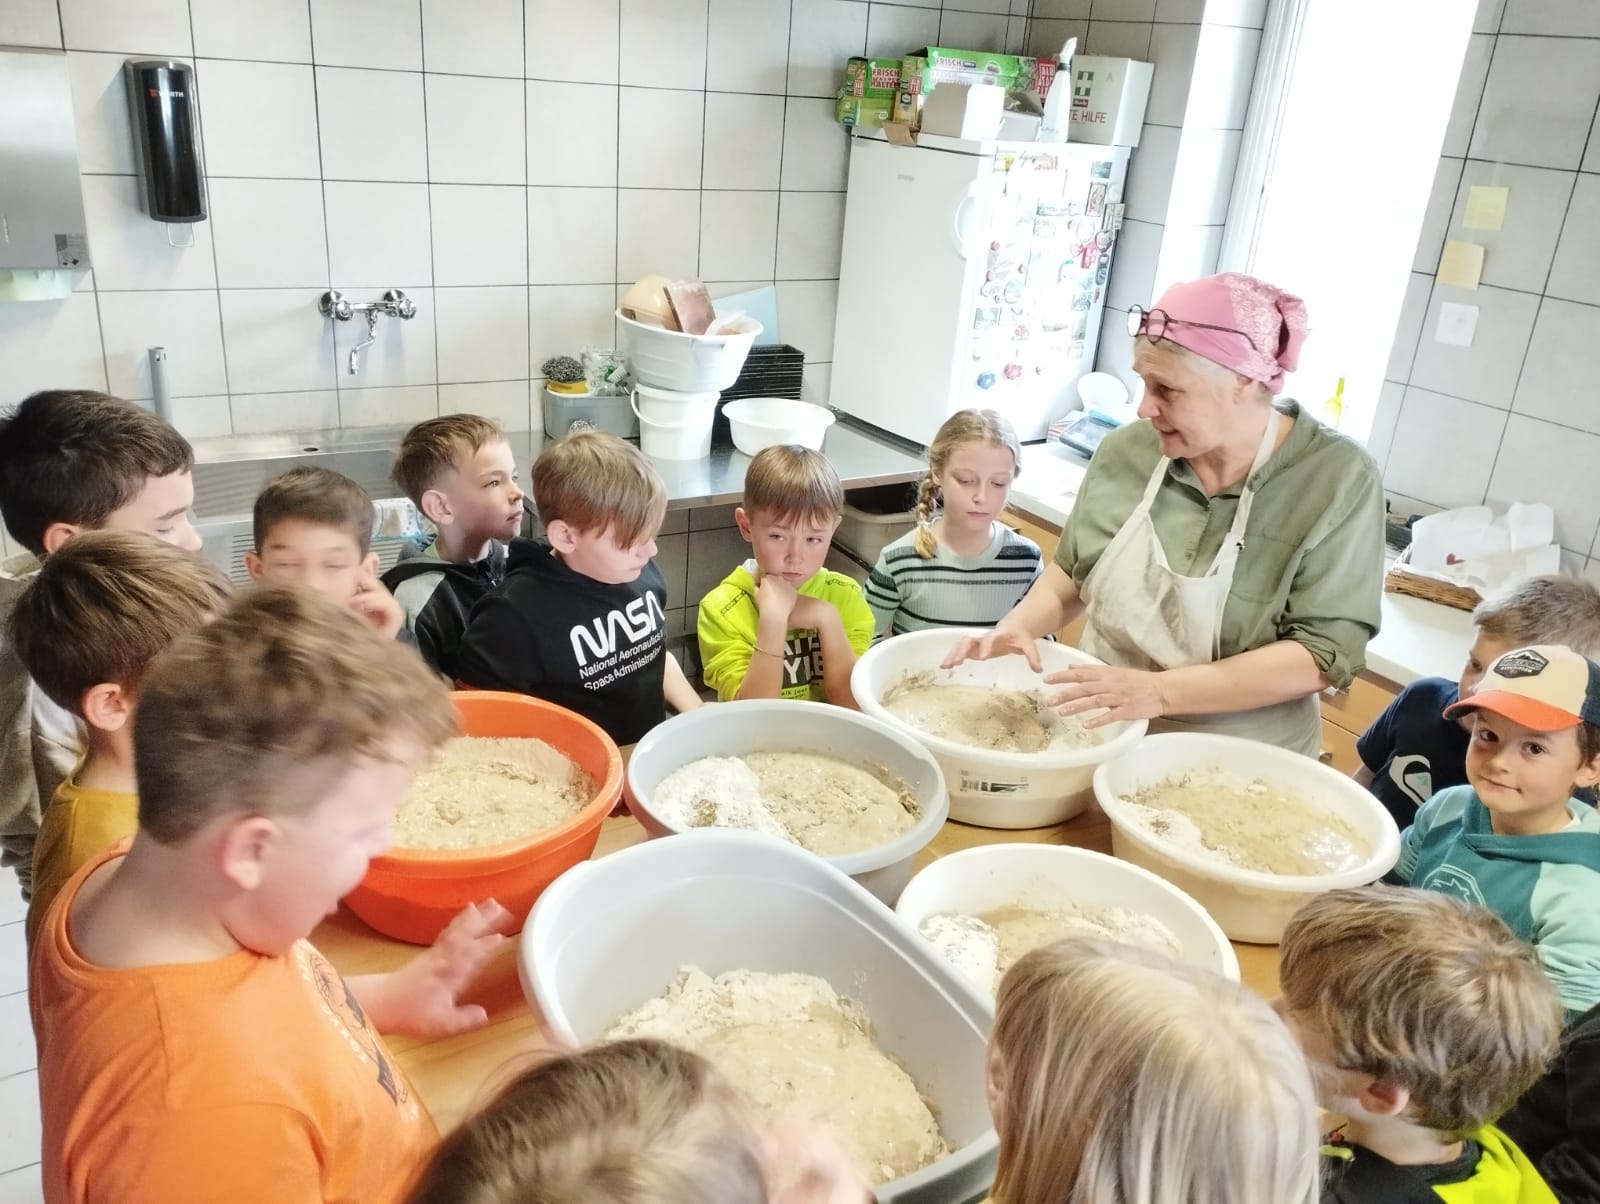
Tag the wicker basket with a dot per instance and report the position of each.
(1403, 580)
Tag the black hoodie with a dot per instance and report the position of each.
(437, 596)
(1557, 1123)
(594, 648)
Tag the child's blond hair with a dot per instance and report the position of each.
(594, 481)
(314, 495)
(104, 606)
(631, 1122)
(261, 710)
(1424, 991)
(435, 447)
(1552, 609)
(789, 482)
(961, 428)
(1126, 1078)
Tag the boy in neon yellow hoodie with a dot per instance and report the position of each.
(780, 625)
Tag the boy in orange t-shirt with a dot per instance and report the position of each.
(193, 1047)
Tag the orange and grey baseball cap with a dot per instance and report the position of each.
(1547, 688)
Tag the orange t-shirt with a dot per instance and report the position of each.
(245, 1079)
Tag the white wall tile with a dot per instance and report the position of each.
(1187, 253)
(1539, 101)
(201, 418)
(1444, 449)
(572, 236)
(1224, 72)
(1486, 372)
(1384, 419)
(564, 320)
(658, 230)
(1203, 182)
(269, 233)
(1408, 331)
(262, 413)
(475, 133)
(1591, 157)
(1017, 35)
(480, 234)
(1120, 39)
(367, 33)
(1520, 253)
(1123, 10)
(748, 46)
(372, 124)
(1002, 7)
(403, 355)
(1251, 13)
(816, 384)
(1115, 351)
(1469, 92)
(1173, 49)
(247, 136)
(738, 235)
(30, 23)
(1076, 9)
(1576, 274)
(822, 35)
(185, 323)
(130, 251)
(664, 43)
(1562, 365)
(100, 112)
(744, 140)
(1436, 218)
(483, 333)
(1489, 16)
(388, 407)
(571, 41)
(277, 30)
(815, 147)
(472, 37)
(143, 27)
(378, 235)
(892, 29)
(1553, 18)
(973, 31)
(51, 345)
(578, 152)
(1045, 38)
(810, 231)
(1190, 11)
(806, 310)
(275, 340)
(1152, 172)
(1542, 462)
(660, 136)
(19, 1104)
(502, 401)
(1133, 265)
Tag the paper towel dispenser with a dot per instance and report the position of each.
(42, 224)
(166, 130)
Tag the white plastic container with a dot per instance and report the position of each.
(1249, 905)
(1052, 877)
(758, 423)
(611, 934)
(687, 363)
(672, 425)
(866, 530)
(991, 789)
(731, 729)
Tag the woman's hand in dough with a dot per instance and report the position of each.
(999, 642)
(1123, 693)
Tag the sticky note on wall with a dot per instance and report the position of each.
(1461, 265)
(1486, 208)
(1457, 324)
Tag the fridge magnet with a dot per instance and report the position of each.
(1020, 333)
(1101, 169)
(1080, 326)
(986, 317)
(1013, 291)
(986, 380)
(1013, 371)
(1102, 272)
(1097, 199)
(1077, 349)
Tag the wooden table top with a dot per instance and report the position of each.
(454, 1074)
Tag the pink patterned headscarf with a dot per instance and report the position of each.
(1274, 320)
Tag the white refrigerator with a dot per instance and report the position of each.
(973, 275)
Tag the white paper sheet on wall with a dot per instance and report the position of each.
(1457, 324)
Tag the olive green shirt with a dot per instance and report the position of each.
(1312, 565)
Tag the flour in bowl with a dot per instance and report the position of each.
(981, 717)
(481, 791)
(1247, 823)
(793, 1045)
(817, 802)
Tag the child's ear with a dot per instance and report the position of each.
(245, 848)
(1588, 774)
(254, 567)
(370, 566)
(742, 521)
(57, 534)
(436, 506)
(107, 706)
(994, 1082)
(560, 535)
(1380, 1097)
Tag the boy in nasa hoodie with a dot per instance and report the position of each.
(580, 619)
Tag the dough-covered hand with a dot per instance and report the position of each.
(1125, 694)
(999, 642)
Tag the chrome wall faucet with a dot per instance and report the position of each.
(336, 305)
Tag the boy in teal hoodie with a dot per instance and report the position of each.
(1515, 840)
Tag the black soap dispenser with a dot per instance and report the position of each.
(166, 127)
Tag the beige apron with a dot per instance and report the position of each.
(1142, 615)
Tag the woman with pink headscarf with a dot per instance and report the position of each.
(1228, 550)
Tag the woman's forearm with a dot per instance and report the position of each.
(1278, 672)
(1050, 603)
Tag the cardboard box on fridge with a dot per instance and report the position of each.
(873, 79)
(925, 70)
(1109, 96)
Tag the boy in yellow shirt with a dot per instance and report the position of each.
(89, 623)
(780, 625)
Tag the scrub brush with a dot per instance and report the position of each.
(563, 374)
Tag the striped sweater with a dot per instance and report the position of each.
(908, 593)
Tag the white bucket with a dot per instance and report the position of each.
(674, 426)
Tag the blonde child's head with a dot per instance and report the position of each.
(272, 747)
(972, 461)
(793, 501)
(100, 610)
(631, 1122)
(1120, 1077)
(313, 527)
(459, 471)
(601, 503)
(1550, 609)
(1417, 1005)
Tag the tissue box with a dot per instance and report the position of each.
(1108, 99)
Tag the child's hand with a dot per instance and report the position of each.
(421, 998)
(377, 606)
(812, 612)
(775, 598)
(806, 1165)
